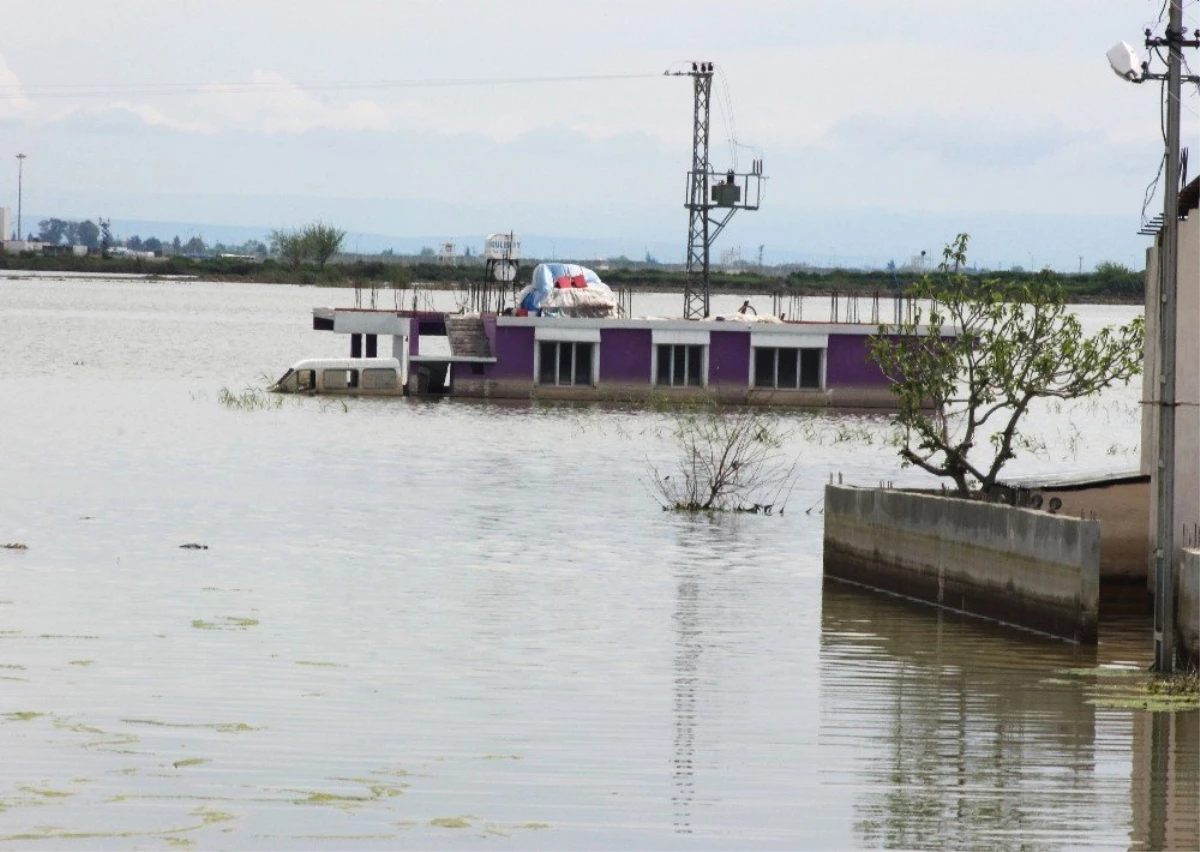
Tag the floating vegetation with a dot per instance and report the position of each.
(190, 761)
(502, 757)
(46, 794)
(12, 666)
(193, 545)
(210, 816)
(81, 663)
(534, 826)
(222, 727)
(64, 636)
(249, 399)
(1134, 689)
(15, 545)
(453, 822)
(23, 716)
(321, 664)
(228, 622)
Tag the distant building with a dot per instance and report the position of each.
(20, 246)
(65, 251)
(5, 223)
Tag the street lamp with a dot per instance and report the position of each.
(20, 175)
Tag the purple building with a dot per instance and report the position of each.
(575, 358)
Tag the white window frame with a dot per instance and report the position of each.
(776, 344)
(679, 337)
(703, 366)
(537, 362)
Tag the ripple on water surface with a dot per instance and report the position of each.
(435, 624)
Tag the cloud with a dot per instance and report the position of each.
(12, 99)
(275, 105)
(952, 140)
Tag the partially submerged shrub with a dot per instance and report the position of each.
(729, 461)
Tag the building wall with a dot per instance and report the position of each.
(1187, 389)
(848, 363)
(729, 358)
(513, 348)
(625, 355)
(1187, 608)
(1022, 567)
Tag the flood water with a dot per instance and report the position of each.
(440, 624)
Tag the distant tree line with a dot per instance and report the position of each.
(315, 242)
(59, 232)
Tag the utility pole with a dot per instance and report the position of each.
(708, 191)
(1163, 556)
(1164, 548)
(20, 175)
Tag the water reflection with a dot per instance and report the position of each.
(967, 734)
(688, 651)
(1164, 781)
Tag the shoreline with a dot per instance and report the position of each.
(753, 287)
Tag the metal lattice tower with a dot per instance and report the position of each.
(708, 191)
(696, 292)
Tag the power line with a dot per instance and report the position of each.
(86, 90)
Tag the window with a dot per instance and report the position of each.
(306, 380)
(378, 378)
(339, 379)
(562, 362)
(679, 365)
(787, 368)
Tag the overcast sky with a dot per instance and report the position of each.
(885, 126)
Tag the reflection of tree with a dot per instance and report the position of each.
(705, 594)
(978, 753)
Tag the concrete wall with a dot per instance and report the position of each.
(1187, 608)
(1122, 506)
(1019, 566)
(1187, 387)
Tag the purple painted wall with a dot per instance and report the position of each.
(625, 355)
(513, 349)
(848, 365)
(729, 358)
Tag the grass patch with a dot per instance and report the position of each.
(249, 399)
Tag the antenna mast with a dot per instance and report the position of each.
(708, 191)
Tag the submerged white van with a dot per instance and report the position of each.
(343, 376)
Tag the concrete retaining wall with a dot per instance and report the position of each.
(1019, 566)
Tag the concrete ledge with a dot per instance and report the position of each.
(485, 388)
(1022, 567)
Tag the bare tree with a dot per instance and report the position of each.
(729, 461)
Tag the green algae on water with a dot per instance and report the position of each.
(452, 822)
(24, 715)
(190, 761)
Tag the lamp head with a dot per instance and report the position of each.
(1125, 62)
